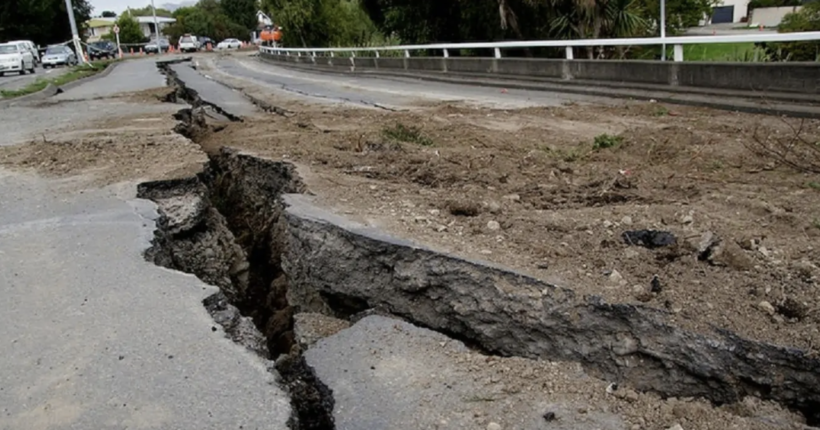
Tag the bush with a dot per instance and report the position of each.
(603, 141)
(806, 19)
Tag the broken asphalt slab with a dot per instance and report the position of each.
(213, 93)
(94, 336)
(388, 374)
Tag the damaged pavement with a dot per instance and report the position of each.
(347, 327)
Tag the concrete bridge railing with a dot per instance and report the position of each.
(796, 81)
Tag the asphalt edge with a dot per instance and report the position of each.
(811, 112)
(45, 93)
(108, 69)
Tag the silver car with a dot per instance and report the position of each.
(59, 55)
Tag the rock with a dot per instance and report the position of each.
(607, 223)
(766, 307)
(493, 426)
(630, 253)
(704, 245)
(649, 238)
(493, 225)
(729, 254)
(494, 207)
(675, 427)
(512, 197)
(687, 219)
(791, 308)
(628, 395)
(616, 278)
(765, 252)
(655, 285)
(435, 212)
(627, 220)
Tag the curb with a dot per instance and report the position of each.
(45, 93)
(741, 103)
(78, 82)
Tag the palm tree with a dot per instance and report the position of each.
(583, 19)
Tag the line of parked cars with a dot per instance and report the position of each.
(23, 56)
(191, 43)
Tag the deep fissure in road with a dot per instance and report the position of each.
(224, 226)
(230, 227)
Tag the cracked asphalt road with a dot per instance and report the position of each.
(94, 336)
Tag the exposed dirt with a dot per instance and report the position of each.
(140, 146)
(528, 190)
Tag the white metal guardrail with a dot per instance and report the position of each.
(678, 43)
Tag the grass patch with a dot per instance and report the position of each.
(814, 185)
(661, 111)
(604, 141)
(76, 72)
(410, 134)
(718, 52)
(816, 223)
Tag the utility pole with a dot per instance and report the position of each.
(75, 36)
(663, 29)
(156, 27)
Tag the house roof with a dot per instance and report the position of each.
(109, 22)
(99, 22)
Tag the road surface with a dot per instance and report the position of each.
(94, 336)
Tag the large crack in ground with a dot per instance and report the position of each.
(224, 227)
(244, 225)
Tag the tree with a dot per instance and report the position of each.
(108, 14)
(241, 12)
(41, 21)
(806, 19)
(130, 31)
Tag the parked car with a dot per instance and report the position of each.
(102, 49)
(188, 43)
(15, 57)
(31, 48)
(156, 47)
(204, 41)
(229, 44)
(59, 55)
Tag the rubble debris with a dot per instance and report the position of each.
(649, 238)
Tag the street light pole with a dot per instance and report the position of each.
(663, 29)
(156, 27)
(75, 36)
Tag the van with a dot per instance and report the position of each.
(30, 47)
(188, 43)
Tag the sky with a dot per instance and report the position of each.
(119, 6)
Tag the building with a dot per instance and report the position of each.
(728, 11)
(96, 28)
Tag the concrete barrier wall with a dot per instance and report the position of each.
(803, 78)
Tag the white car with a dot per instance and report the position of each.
(229, 44)
(14, 57)
(31, 48)
(188, 43)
